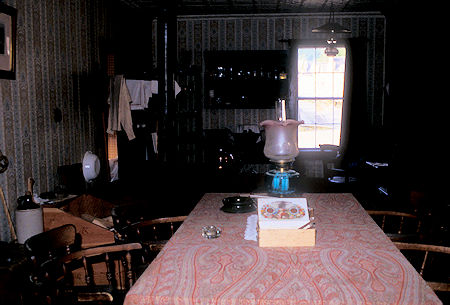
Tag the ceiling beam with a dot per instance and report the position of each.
(200, 7)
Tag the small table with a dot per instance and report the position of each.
(353, 262)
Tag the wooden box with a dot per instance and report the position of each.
(285, 222)
(287, 237)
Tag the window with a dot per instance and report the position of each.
(320, 96)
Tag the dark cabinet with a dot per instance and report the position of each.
(136, 156)
(245, 79)
(185, 119)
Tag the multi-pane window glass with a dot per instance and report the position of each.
(320, 96)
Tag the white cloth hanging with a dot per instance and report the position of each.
(177, 88)
(119, 101)
(155, 142)
(141, 91)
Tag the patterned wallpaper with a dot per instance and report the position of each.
(263, 32)
(57, 41)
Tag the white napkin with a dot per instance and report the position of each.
(155, 142)
(250, 230)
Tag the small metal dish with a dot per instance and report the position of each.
(239, 208)
(237, 201)
(238, 204)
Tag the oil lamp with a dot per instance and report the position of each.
(281, 148)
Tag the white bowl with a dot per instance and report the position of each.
(91, 166)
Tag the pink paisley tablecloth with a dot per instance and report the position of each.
(353, 262)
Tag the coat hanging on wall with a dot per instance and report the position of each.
(119, 101)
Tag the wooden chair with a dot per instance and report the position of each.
(108, 288)
(153, 234)
(46, 246)
(431, 261)
(398, 226)
(55, 242)
(125, 215)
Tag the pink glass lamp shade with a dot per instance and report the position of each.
(281, 140)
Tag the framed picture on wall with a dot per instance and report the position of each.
(8, 18)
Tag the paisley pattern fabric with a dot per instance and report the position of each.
(353, 262)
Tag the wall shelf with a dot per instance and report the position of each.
(245, 79)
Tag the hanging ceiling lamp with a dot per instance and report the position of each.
(331, 49)
(331, 27)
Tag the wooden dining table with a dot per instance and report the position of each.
(352, 262)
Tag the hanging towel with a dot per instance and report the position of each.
(154, 86)
(155, 142)
(140, 92)
(177, 88)
(119, 108)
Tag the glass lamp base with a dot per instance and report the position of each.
(280, 181)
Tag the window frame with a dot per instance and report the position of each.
(294, 86)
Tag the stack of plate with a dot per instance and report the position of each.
(238, 204)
